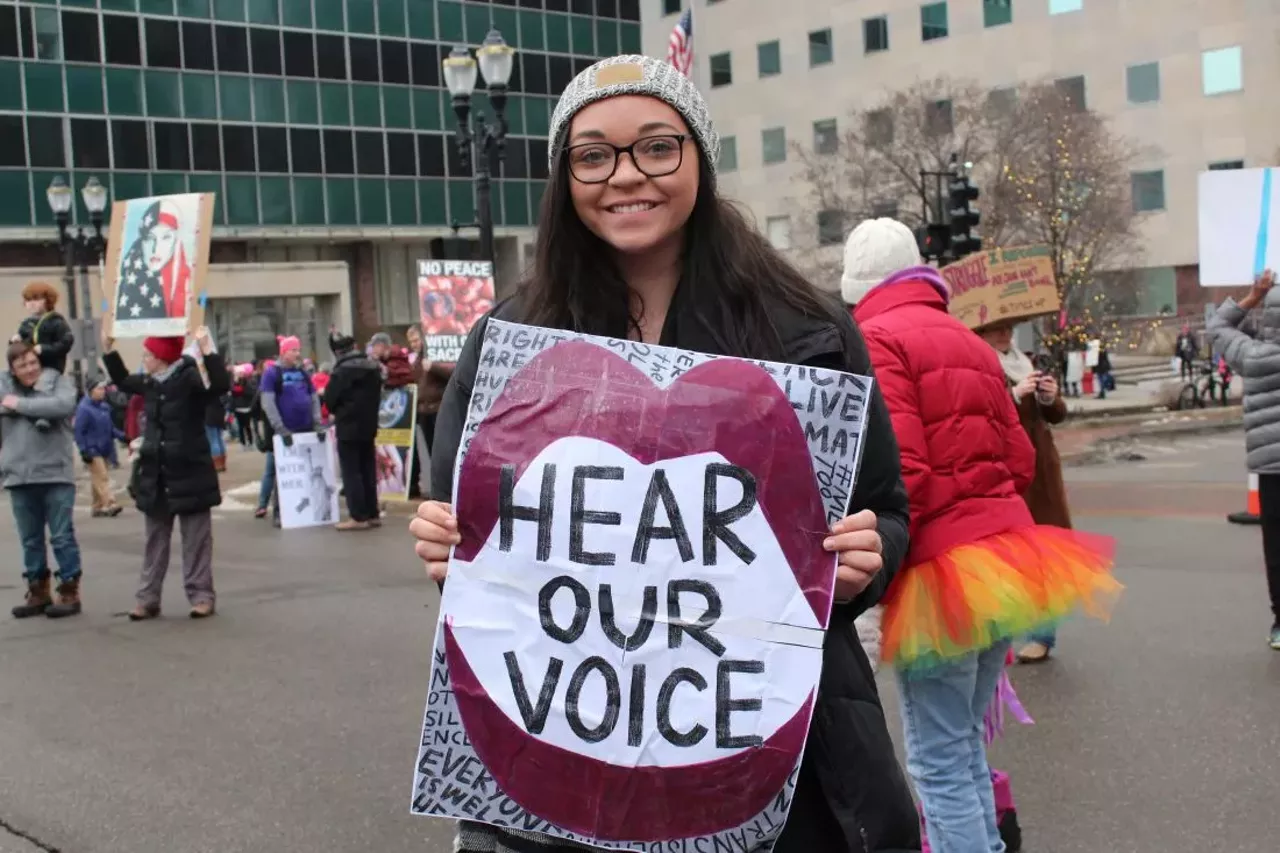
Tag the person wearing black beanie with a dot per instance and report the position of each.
(354, 396)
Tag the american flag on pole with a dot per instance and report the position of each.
(680, 46)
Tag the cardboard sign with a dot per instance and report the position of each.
(452, 296)
(397, 419)
(157, 264)
(306, 481)
(1239, 225)
(631, 633)
(1002, 284)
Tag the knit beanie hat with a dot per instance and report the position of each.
(875, 250)
(288, 342)
(634, 75)
(167, 350)
(341, 343)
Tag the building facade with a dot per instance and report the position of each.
(1192, 81)
(323, 126)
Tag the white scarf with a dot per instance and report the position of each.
(1017, 366)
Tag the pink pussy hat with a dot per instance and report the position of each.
(288, 342)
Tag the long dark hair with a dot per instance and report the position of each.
(730, 270)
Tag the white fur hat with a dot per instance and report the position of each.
(875, 250)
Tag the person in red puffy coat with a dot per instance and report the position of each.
(978, 571)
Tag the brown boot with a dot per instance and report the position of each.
(68, 603)
(38, 600)
(220, 463)
(352, 524)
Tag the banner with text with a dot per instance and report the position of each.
(452, 296)
(397, 419)
(631, 634)
(306, 481)
(1002, 284)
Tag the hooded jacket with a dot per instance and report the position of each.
(851, 786)
(94, 430)
(397, 370)
(965, 457)
(1257, 359)
(353, 396)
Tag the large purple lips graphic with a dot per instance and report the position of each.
(723, 406)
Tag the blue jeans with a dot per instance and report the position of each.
(49, 505)
(942, 721)
(217, 446)
(268, 486)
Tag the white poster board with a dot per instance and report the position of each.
(306, 482)
(1239, 225)
(630, 637)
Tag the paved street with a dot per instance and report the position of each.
(288, 723)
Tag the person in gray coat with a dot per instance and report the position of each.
(37, 464)
(1256, 357)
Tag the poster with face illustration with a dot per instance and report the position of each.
(452, 296)
(630, 637)
(156, 264)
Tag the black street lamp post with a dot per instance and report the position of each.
(495, 59)
(80, 250)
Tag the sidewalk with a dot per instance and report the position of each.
(1082, 441)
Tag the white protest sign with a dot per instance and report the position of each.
(637, 609)
(305, 481)
(1239, 225)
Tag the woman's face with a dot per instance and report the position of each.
(150, 364)
(631, 211)
(1000, 337)
(158, 245)
(414, 337)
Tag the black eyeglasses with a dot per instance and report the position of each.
(654, 156)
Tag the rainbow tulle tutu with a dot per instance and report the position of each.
(995, 589)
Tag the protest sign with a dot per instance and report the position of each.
(397, 419)
(1002, 284)
(1239, 225)
(631, 633)
(305, 482)
(452, 296)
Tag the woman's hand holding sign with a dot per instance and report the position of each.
(855, 539)
(436, 530)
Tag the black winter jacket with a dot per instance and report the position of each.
(852, 795)
(175, 468)
(354, 395)
(53, 335)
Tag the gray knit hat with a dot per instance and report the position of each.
(635, 75)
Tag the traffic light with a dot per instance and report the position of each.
(962, 193)
(935, 241)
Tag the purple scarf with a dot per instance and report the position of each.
(923, 273)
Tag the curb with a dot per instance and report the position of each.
(1140, 414)
(1098, 452)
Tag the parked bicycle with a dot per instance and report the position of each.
(1213, 384)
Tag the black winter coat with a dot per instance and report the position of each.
(175, 468)
(215, 412)
(53, 335)
(354, 395)
(852, 795)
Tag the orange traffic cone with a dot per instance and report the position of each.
(1253, 511)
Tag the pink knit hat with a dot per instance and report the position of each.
(288, 342)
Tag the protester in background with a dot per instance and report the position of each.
(96, 438)
(244, 387)
(1102, 373)
(690, 272)
(290, 404)
(396, 370)
(1035, 394)
(176, 478)
(215, 424)
(431, 377)
(353, 396)
(979, 572)
(1257, 358)
(413, 337)
(37, 464)
(44, 328)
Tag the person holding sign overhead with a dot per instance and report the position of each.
(175, 478)
(636, 243)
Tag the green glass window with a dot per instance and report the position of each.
(199, 95)
(995, 13)
(130, 185)
(171, 183)
(367, 105)
(820, 52)
(476, 19)
(329, 15)
(933, 21)
(268, 100)
(1142, 83)
(557, 32)
(124, 91)
(277, 204)
(630, 36)
(164, 94)
(308, 201)
(531, 34)
(235, 95)
(44, 87)
(422, 20)
(875, 34)
(426, 109)
(10, 85)
(335, 103)
(132, 6)
(396, 109)
(341, 200)
(728, 154)
(721, 69)
(515, 114)
(607, 37)
(155, 7)
(769, 58)
(84, 89)
(203, 184)
(360, 16)
(15, 189)
(515, 202)
(537, 119)
(268, 11)
(449, 15)
(228, 10)
(403, 198)
(391, 17)
(242, 200)
(304, 103)
(1147, 189)
(432, 203)
(462, 203)
(296, 14)
(581, 37)
(504, 21)
(773, 142)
